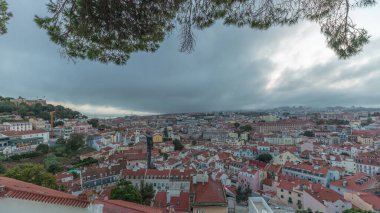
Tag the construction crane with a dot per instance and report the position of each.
(52, 124)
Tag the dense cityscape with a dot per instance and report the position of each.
(189, 106)
(287, 159)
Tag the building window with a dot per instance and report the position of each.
(290, 200)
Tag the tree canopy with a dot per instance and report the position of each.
(43, 148)
(178, 146)
(75, 142)
(309, 133)
(5, 15)
(147, 192)
(37, 110)
(242, 195)
(266, 158)
(126, 191)
(53, 164)
(246, 128)
(94, 122)
(2, 168)
(110, 31)
(32, 173)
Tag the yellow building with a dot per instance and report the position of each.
(157, 138)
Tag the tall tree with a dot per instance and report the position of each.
(75, 142)
(147, 192)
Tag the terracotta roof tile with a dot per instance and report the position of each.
(210, 192)
(111, 206)
(27, 191)
(160, 200)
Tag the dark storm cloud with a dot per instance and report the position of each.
(225, 72)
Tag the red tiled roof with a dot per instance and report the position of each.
(210, 192)
(304, 166)
(371, 199)
(160, 200)
(15, 133)
(267, 182)
(367, 182)
(27, 191)
(150, 173)
(181, 203)
(249, 170)
(111, 206)
(62, 175)
(105, 193)
(289, 182)
(21, 122)
(273, 168)
(138, 157)
(322, 193)
(258, 164)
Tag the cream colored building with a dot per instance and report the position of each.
(358, 200)
(285, 157)
(288, 194)
(366, 140)
(38, 123)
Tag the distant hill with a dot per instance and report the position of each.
(36, 108)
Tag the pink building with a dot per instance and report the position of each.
(251, 178)
(81, 128)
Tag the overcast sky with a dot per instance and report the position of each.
(230, 69)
